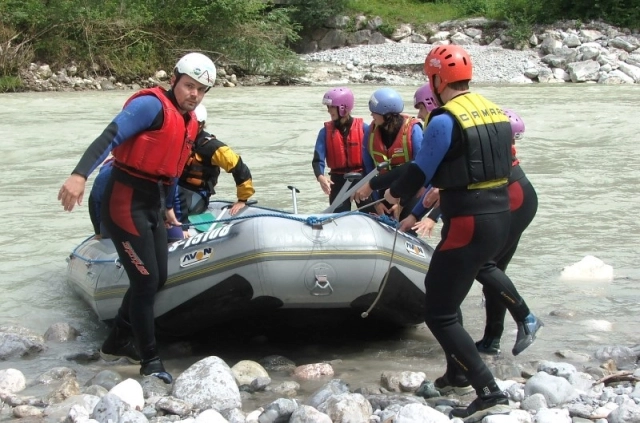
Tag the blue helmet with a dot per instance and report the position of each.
(386, 100)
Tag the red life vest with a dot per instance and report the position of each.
(514, 159)
(344, 156)
(401, 151)
(162, 154)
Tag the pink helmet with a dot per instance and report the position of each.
(425, 96)
(517, 125)
(340, 97)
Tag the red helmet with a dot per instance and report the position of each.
(451, 63)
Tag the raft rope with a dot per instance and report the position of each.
(312, 221)
(365, 314)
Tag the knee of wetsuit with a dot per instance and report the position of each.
(440, 320)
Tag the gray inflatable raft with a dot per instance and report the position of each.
(264, 261)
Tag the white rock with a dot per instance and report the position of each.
(12, 380)
(589, 268)
(210, 416)
(129, 391)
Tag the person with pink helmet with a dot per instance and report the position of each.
(338, 145)
(424, 215)
(425, 102)
(523, 202)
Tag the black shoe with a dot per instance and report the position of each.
(527, 331)
(484, 405)
(154, 367)
(119, 344)
(489, 346)
(458, 385)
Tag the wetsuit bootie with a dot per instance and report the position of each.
(457, 384)
(488, 345)
(119, 344)
(154, 367)
(527, 332)
(484, 405)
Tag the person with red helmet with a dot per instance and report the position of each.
(339, 144)
(150, 140)
(466, 154)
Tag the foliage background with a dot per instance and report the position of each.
(133, 38)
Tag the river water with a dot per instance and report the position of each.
(579, 151)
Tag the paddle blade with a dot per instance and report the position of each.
(203, 221)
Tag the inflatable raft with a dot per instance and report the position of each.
(261, 262)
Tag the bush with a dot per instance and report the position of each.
(10, 84)
(312, 14)
(135, 38)
(14, 54)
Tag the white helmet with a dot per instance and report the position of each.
(198, 66)
(201, 113)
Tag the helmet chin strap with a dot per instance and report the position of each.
(436, 91)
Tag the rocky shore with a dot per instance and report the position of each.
(269, 390)
(570, 51)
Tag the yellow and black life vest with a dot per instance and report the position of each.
(480, 153)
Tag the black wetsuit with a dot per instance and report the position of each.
(523, 205)
(475, 221)
(132, 212)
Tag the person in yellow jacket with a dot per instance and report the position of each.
(200, 177)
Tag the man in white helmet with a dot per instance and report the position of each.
(150, 140)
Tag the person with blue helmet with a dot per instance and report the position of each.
(392, 137)
(339, 144)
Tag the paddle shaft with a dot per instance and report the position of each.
(340, 199)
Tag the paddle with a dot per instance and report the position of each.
(360, 184)
(202, 222)
(350, 177)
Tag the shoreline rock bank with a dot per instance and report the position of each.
(565, 52)
(269, 390)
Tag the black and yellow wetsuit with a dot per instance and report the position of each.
(200, 176)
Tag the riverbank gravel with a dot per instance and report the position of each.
(491, 64)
